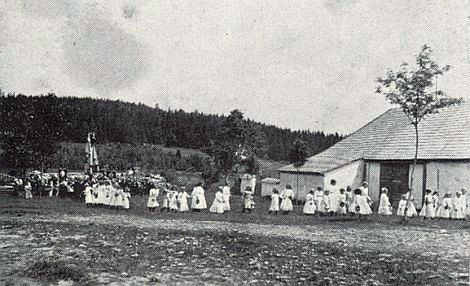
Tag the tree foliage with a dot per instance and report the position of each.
(31, 129)
(298, 153)
(413, 89)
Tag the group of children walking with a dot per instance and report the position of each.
(107, 194)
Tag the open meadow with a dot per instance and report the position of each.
(57, 241)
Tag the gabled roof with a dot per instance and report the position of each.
(443, 135)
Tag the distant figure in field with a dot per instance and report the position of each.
(444, 210)
(401, 206)
(183, 200)
(218, 203)
(274, 207)
(152, 202)
(365, 192)
(198, 200)
(341, 207)
(165, 202)
(226, 195)
(286, 204)
(458, 207)
(173, 199)
(126, 194)
(309, 206)
(349, 198)
(385, 208)
(325, 207)
(28, 190)
(360, 203)
(248, 201)
(88, 195)
(466, 203)
(427, 211)
(410, 207)
(318, 197)
(435, 202)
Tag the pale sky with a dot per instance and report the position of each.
(298, 64)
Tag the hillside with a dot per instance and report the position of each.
(129, 123)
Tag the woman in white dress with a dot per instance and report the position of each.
(309, 206)
(152, 202)
(183, 200)
(218, 203)
(435, 203)
(427, 209)
(274, 207)
(173, 199)
(286, 204)
(385, 208)
(28, 190)
(198, 200)
(363, 202)
(401, 206)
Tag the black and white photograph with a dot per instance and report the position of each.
(292, 142)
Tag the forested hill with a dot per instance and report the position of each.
(118, 121)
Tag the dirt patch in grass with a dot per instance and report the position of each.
(55, 271)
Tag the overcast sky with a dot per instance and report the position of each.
(298, 64)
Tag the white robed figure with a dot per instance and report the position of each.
(318, 197)
(444, 210)
(411, 209)
(457, 206)
(309, 206)
(88, 194)
(125, 198)
(183, 200)
(198, 200)
(385, 207)
(173, 200)
(287, 195)
(341, 207)
(218, 203)
(427, 211)
(274, 207)
(152, 202)
(226, 194)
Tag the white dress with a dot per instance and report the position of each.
(183, 200)
(198, 200)
(248, 201)
(401, 207)
(318, 198)
(458, 210)
(274, 207)
(435, 205)
(309, 206)
(411, 209)
(218, 203)
(384, 205)
(125, 200)
(362, 202)
(427, 209)
(28, 191)
(286, 204)
(341, 206)
(172, 200)
(226, 194)
(152, 200)
(88, 195)
(325, 205)
(444, 209)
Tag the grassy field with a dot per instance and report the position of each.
(52, 240)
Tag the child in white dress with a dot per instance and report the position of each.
(286, 204)
(341, 208)
(125, 198)
(325, 206)
(248, 199)
(445, 208)
(385, 208)
(458, 209)
(411, 209)
(88, 195)
(435, 203)
(318, 198)
(183, 200)
(427, 209)
(173, 200)
(274, 207)
(309, 206)
(218, 203)
(401, 206)
(152, 202)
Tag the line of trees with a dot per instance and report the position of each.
(55, 119)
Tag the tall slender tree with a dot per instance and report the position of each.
(414, 90)
(298, 156)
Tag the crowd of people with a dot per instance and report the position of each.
(116, 192)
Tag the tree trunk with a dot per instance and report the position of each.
(415, 161)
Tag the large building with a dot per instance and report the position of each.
(382, 153)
